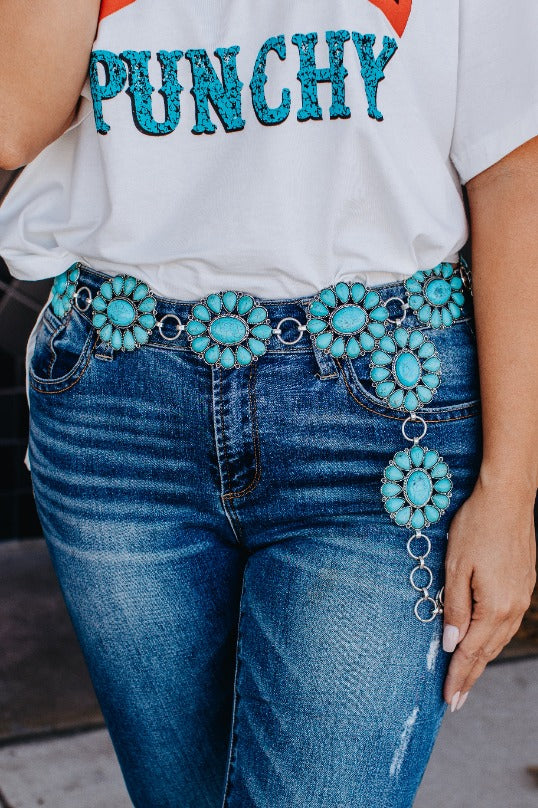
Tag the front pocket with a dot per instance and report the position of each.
(62, 351)
(458, 394)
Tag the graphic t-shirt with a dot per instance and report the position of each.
(276, 147)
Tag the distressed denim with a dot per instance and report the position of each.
(241, 597)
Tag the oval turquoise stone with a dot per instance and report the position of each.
(121, 312)
(418, 488)
(348, 319)
(228, 330)
(407, 369)
(438, 291)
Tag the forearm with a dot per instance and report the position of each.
(504, 223)
(44, 55)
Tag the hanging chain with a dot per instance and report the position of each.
(421, 568)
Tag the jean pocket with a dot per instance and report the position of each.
(62, 351)
(457, 392)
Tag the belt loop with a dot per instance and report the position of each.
(326, 363)
(104, 350)
(328, 368)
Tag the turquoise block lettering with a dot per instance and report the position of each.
(265, 114)
(309, 75)
(140, 90)
(372, 68)
(225, 96)
(115, 78)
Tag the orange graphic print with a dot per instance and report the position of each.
(396, 11)
(111, 6)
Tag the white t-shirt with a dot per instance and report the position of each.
(285, 146)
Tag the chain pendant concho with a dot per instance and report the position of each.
(405, 370)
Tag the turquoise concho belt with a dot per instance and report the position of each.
(231, 330)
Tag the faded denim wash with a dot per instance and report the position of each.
(240, 595)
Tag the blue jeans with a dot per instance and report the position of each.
(240, 595)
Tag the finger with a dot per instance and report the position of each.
(475, 651)
(479, 668)
(503, 641)
(458, 605)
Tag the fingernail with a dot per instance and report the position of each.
(461, 702)
(454, 701)
(451, 636)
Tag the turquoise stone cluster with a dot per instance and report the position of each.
(63, 290)
(124, 312)
(416, 487)
(435, 295)
(346, 320)
(228, 329)
(405, 369)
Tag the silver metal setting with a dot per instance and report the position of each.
(300, 327)
(414, 417)
(405, 306)
(76, 300)
(160, 323)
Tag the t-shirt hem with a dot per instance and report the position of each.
(37, 267)
(488, 151)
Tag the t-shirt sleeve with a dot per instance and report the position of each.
(84, 106)
(497, 92)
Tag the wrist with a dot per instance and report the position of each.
(502, 478)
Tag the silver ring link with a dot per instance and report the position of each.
(180, 326)
(405, 307)
(278, 331)
(419, 419)
(423, 589)
(426, 599)
(418, 536)
(76, 301)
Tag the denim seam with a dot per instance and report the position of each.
(78, 378)
(55, 331)
(218, 428)
(223, 428)
(394, 417)
(256, 441)
(232, 751)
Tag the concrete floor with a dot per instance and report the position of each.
(480, 758)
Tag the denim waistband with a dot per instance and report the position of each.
(289, 316)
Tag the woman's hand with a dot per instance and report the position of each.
(490, 574)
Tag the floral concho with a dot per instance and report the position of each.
(435, 295)
(346, 320)
(63, 290)
(405, 369)
(416, 487)
(229, 330)
(124, 312)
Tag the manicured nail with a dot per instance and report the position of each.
(461, 702)
(451, 636)
(454, 701)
